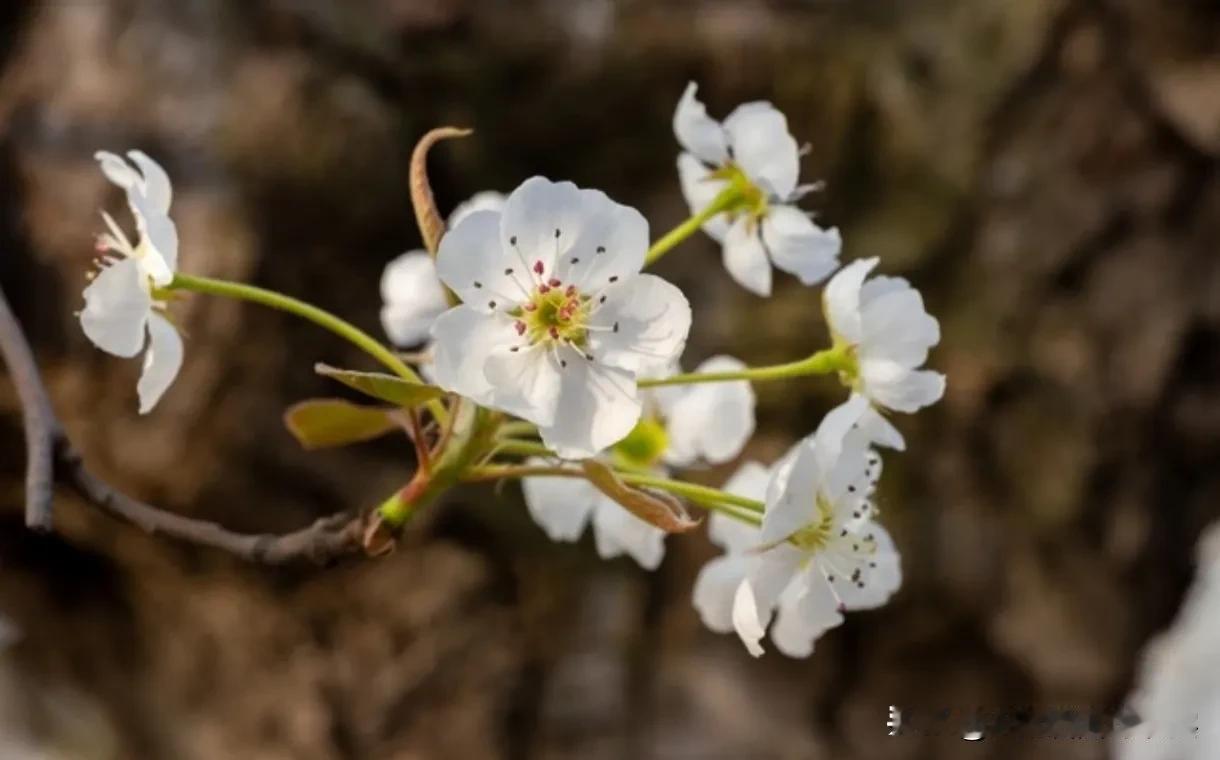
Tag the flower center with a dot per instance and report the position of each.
(554, 314)
(814, 536)
(643, 446)
(753, 200)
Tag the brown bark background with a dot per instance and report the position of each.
(1044, 170)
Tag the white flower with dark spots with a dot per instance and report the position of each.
(753, 153)
(556, 320)
(684, 425)
(888, 332)
(412, 295)
(123, 312)
(819, 551)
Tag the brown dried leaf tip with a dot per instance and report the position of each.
(431, 223)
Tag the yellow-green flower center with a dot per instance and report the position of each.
(753, 201)
(814, 536)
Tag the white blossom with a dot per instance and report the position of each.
(819, 550)
(889, 333)
(681, 426)
(1177, 695)
(123, 314)
(412, 295)
(556, 320)
(752, 151)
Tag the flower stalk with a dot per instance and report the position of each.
(824, 362)
(729, 198)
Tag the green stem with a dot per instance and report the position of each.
(523, 448)
(517, 429)
(320, 317)
(822, 363)
(739, 507)
(727, 199)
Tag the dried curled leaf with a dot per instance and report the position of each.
(660, 509)
(381, 386)
(324, 422)
(431, 223)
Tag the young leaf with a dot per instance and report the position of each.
(382, 387)
(323, 422)
(660, 509)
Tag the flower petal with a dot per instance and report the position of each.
(878, 430)
(157, 250)
(560, 506)
(644, 320)
(412, 296)
(763, 147)
(488, 200)
(156, 187)
(895, 387)
(897, 327)
(697, 132)
(117, 170)
(715, 589)
(766, 578)
(841, 300)
(473, 263)
(162, 361)
(746, 258)
(526, 382)
(880, 573)
(711, 421)
(807, 609)
(464, 339)
(117, 306)
(610, 243)
(597, 406)
(540, 223)
(619, 532)
(699, 189)
(735, 536)
(750, 626)
(800, 247)
(796, 504)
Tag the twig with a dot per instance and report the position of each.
(53, 458)
(42, 429)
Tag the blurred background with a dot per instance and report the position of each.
(1045, 171)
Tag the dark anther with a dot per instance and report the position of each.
(478, 284)
(575, 260)
(616, 326)
(614, 278)
(563, 362)
(512, 240)
(515, 349)
(491, 304)
(556, 233)
(508, 271)
(851, 489)
(601, 249)
(602, 299)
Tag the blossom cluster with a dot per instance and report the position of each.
(535, 308)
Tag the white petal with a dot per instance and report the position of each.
(526, 382)
(749, 481)
(618, 532)
(735, 536)
(162, 361)
(464, 339)
(796, 505)
(117, 306)
(763, 147)
(158, 247)
(157, 189)
(488, 200)
(117, 170)
(746, 258)
(697, 132)
(896, 327)
(878, 430)
(610, 242)
(644, 320)
(474, 264)
(597, 407)
(800, 247)
(895, 387)
(880, 285)
(715, 588)
(746, 620)
(831, 435)
(770, 573)
(841, 299)
(711, 421)
(413, 298)
(806, 610)
(881, 579)
(533, 214)
(560, 506)
(700, 189)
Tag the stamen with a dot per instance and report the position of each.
(520, 326)
(538, 267)
(554, 283)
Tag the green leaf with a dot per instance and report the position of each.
(383, 387)
(319, 423)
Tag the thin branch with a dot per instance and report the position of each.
(52, 458)
(42, 429)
